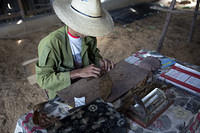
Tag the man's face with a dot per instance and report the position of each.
(74, 33)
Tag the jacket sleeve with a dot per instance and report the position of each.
(94, 52)
(46, 74)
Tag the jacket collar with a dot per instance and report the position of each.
(84, 47)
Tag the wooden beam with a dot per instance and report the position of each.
(167, 21)
(43, 5)
(193, 22)
(12, 15)
(179, 11)
(38, 10)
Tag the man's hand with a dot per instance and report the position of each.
(106, 65)
(150, 64)
(89, 71)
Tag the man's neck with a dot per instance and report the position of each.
(73, 33)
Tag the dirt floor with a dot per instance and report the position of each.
(17, 96)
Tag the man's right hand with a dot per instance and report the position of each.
(86, 72)
(90, 71)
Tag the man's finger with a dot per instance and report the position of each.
(109, 65)
(102, 64)
(112, 64)
(96, 72)
(92, 65)
(105, 65)
(94, 75)
(96, 69)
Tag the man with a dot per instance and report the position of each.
(71, 52)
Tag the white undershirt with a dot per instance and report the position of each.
(76, 48)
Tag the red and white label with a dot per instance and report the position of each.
(183, 77)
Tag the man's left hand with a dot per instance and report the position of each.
(106, 65)
(150, 64)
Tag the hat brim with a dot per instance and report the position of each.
(81, 23)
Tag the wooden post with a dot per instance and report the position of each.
(167, 21)
(31, 5)
(21, 8)
(193, 22)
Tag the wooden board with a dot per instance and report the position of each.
(124, 77)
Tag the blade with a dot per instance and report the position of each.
(138, 108)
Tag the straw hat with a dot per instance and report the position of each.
(84, 16)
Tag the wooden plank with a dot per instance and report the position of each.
(29, 61)
(119, 81)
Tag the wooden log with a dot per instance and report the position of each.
(193, 22)
(123, 78)
(167, 21)
(21, 8)
(179, 11)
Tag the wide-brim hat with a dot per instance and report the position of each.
(84, 16)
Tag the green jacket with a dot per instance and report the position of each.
(56, 60)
